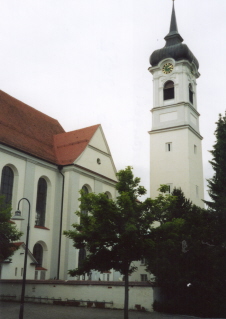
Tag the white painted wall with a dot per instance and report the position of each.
(28, 170)
(15, 270)
(136, 275)
(138, 294)
(180, 167)
(97, 156)
(89, 160)
(176, 121)
(75, 179)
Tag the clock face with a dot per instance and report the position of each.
(167, 68)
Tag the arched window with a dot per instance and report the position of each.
(108, 195)
(191, 93)
(86, 191)
(38, 253)
(168, 90)
(41, 202)
(7, 184)
(81, 256)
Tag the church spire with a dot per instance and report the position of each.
(173, 24)
(174, 48)
(173, 37)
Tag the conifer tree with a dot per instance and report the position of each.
(217, 184)
(188, 260)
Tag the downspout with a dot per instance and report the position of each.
(61, 220)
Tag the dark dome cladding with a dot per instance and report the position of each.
(177, 52)
(174, 47)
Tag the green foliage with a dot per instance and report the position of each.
(8, 232)
(188, 260)
(217, 184)
(114, 233)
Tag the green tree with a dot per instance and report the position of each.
(188, 260)
(115, 232)
(8, 232)
(217, 184)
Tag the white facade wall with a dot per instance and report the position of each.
(86, 171)
(97, 156)
(141, 295)
(15, 270)
(27, 171)
(74, 181)
(141, 270)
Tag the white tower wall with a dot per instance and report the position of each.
(176, 151)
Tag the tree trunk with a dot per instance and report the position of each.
(126, 302)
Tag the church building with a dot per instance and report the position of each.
(47, 167)
(43, 167)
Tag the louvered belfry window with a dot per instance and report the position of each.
(168, 90)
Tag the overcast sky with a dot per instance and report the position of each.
(84, 62)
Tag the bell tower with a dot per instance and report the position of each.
(175, 140)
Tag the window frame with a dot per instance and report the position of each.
(197, 191)
(143, 277)
(41, 202)
(170, 185)
(38, 254)
(7, 182)
(81, 255)
(195, 149)
(191, 93)
(169, 146)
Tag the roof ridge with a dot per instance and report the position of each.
(80, 129)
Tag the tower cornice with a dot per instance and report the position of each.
(174, 128)
(164, 107)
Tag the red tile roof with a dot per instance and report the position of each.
(28, 130)
(18, 243)
(40, 268)
(69, 146)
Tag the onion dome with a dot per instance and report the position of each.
(174, 47)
